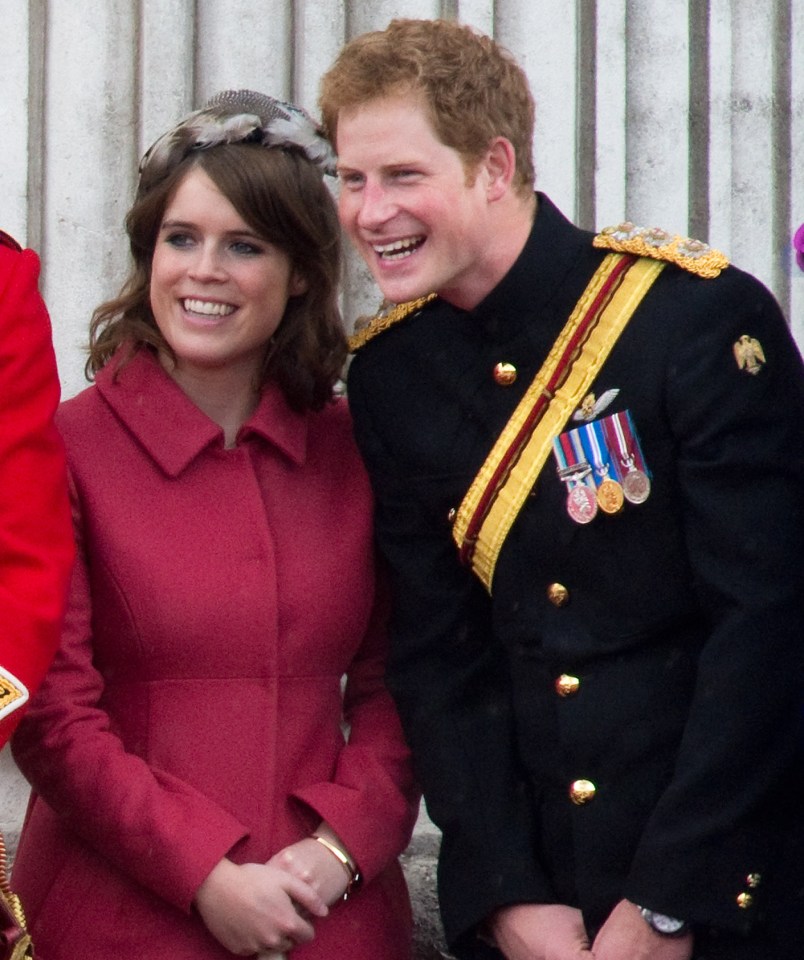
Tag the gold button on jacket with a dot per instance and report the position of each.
(582, 791)
(558, 594)
(566, 685)
(504, 374)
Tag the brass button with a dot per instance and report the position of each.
(566, 685)
(453, 513)
(504, 374)
(753, 880)
(558, 594)
(582, 791)
(745, 901)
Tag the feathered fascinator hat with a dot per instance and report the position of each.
(238, 116)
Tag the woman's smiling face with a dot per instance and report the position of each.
(218, 291)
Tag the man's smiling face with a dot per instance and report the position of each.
(408, 203)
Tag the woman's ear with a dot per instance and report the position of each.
(298, 284)
(499, 166)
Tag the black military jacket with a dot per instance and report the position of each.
(680, 619)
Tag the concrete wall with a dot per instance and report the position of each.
(685, 114)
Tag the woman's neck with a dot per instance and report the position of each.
(227, 395)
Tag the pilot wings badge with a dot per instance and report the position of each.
(592, 407)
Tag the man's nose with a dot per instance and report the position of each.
(376, 206)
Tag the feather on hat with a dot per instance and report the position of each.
(238, 116)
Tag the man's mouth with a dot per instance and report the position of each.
(399, 249)
(207, 308)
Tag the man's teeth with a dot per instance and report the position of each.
(398, 249)
(208, 308)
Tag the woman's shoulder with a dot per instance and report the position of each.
(82, 419)
(330, 431)
(333, 420)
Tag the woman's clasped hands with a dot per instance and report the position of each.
(270, 908)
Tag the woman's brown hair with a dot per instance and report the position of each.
(281, 195)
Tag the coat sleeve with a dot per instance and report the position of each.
(36, 543)
(449, 677)
(151, 825)
(712, 839)
(372, 800)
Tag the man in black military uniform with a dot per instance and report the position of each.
(588, 457)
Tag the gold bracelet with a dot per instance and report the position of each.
(351, 872)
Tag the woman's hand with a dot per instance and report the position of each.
(253, 908)
(313, 864)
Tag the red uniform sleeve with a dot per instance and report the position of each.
(36, 541)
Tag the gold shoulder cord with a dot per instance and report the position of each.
(385, 319)
(656, 244)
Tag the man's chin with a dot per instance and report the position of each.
(401, 292)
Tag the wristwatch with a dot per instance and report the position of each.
(661, 923)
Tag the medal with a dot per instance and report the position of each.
(610, 496)
(609, 493)
(582, 504)
(619, 430)
(576, 473)
(636, 486)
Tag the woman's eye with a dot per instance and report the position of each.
(178, 239)
(245, 248)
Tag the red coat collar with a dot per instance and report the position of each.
(174, 431)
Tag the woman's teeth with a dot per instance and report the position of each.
(208, 308)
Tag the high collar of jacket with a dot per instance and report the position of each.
(538, 273)
(172, 429)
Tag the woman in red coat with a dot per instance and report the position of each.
(204, 782)
(36, 544)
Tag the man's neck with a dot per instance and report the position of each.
(509, 229)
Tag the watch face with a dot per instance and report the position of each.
(662, 923)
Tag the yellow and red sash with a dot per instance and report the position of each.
(498, 492)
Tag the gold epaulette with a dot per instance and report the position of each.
(691, 255)
(366, 328)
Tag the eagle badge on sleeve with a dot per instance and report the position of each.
(749, 354)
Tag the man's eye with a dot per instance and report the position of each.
(351, 180)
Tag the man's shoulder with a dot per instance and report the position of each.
(388, 315)
(12, 256)
(7, 242)
(693, 256)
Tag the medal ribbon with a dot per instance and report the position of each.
(599, 454)
(619, 429)
(580, 458)
(497, 493)
(573, 465)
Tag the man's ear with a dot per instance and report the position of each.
(499, 166)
